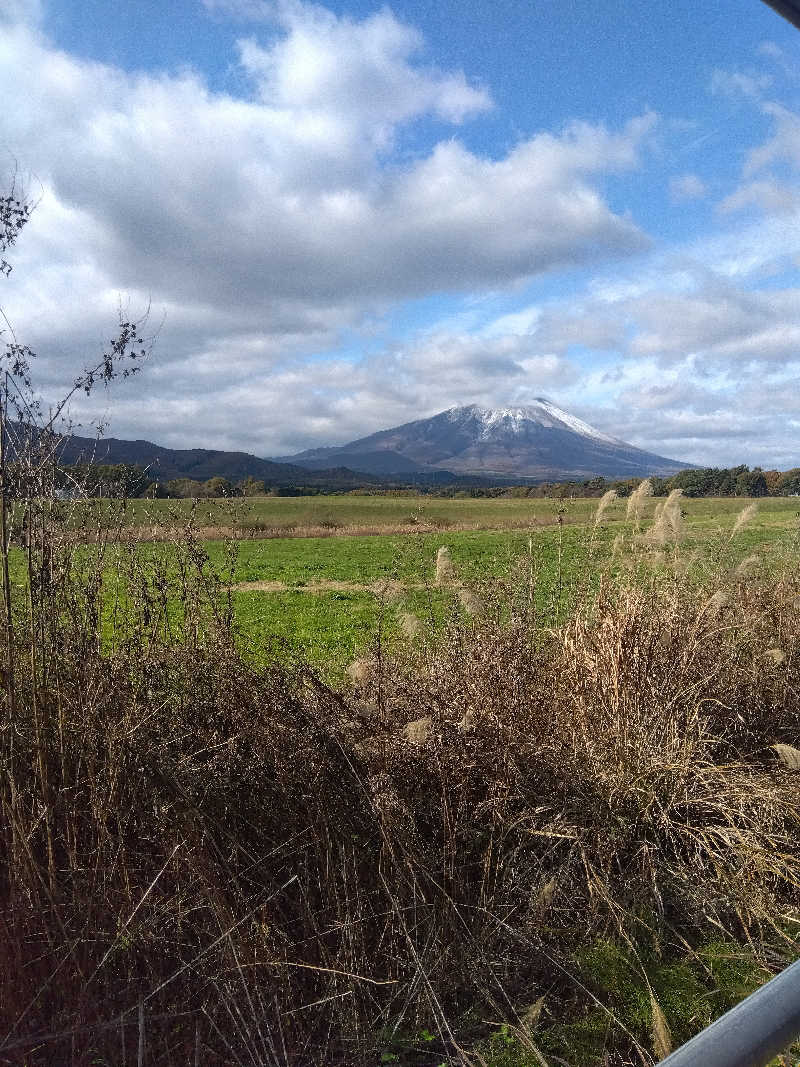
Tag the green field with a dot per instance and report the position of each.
(338, 513)
(329, 597)
(326, 594)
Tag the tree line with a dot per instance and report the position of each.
(699, 482)
(131, 480)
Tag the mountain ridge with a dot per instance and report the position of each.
(538, 440)
(165, 464)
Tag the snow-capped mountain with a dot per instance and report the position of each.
(539, 440)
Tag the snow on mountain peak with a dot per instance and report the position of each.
(543, 412)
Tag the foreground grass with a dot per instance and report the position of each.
(551, 826)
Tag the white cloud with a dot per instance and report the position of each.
(784, 145)
(266, 226)
(716, 321)
(770, 196)
(363, 72)
(765, 185)
(686, 187)
(751, 85)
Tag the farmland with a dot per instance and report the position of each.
(319, 579)
(340, 515)
(328, 596)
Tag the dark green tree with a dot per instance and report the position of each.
(218, 487)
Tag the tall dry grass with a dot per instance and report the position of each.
(603, 504)
(636, 500)
(668, 525)
(231, 865)
(745, 515)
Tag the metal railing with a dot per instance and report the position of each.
(751, 1034)
(790, 9)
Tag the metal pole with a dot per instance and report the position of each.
(790, 9)
(752, 1033)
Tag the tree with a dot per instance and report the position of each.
(772, 478)
(789, 482)
(103, 479)
(217, 487)
(251, 486)
(184, 488)
(751, 483)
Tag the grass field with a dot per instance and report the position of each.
(327, 598)
(341, 514)
(348, 568)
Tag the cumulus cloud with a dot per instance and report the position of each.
(263, 226)
(360, 71)
(241, 203)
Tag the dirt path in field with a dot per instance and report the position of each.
(383, 587)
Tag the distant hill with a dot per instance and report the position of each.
(539, 441)
(164, 464)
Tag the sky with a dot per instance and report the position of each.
(342, 218)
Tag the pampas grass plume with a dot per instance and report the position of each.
(748, 565)
(359, 671)
(776, 656)
(409, 624)
(717, 601)
(668, 525)
(470, 601)
(418, 731)
(637, 498)
(605, 501)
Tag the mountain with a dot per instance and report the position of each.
(537, 441)
(163, 464)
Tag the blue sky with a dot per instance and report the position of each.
(348, 216)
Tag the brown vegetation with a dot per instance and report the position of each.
(240, 866)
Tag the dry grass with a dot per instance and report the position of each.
(241, 866)
(637, 499)
(444, 566)
(745, 515)
(668, 525)
(168, 531)
(603, 504)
